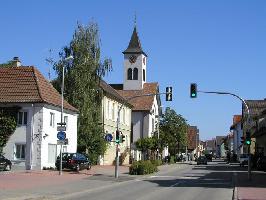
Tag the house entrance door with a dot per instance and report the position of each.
(52, 153)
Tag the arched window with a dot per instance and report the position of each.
(144, 75)
(129, 74)
(135, 74)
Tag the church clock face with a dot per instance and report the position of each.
(132, 59)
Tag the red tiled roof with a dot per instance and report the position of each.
(143, 103)
(109, 90)
(27, 85)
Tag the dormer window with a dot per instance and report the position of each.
(129, 74)
(135, 74)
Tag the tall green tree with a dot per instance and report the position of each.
(173, 131)
(8, 124)
(82, 79)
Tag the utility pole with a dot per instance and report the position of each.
(62, 106)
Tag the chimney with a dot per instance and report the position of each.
(16, 62)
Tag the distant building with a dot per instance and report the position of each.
(257, 115)
(211, 146)
(38, 104)
(193, 138)
(236, 128)
(220, 149)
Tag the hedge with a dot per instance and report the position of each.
(142, 167)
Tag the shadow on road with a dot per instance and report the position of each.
(207, 176)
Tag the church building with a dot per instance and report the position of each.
(146, 109)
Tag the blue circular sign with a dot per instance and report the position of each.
(108, 137)
(61, 135)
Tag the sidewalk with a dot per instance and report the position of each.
(250, 190)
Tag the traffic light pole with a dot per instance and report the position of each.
(118, 122)
(248, 122)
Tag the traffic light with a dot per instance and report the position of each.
(117, 136)
(248, 139)
(242, 140)
(193, 90)
(123, 138)
(169, 94)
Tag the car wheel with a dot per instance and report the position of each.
(89, 167)
(8, 167)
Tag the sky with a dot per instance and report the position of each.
(220, 45)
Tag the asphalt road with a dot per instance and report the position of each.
(190, 182)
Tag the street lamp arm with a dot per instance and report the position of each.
(248, 122)
(232, 94)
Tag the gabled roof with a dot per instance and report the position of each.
(143, 103)
(109, 91)
(26, 84)
(134, 44)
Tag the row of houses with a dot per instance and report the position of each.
(38, 104)
(233, 144)
(255, 123)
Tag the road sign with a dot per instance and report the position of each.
(61, 128)
(62, 142)
(108, 137)
(61, 135)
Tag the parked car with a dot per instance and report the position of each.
(261, 163)
(202, 160)
(5, 164)
(73, 161)
(243, 159)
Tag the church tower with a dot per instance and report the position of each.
(135, 60)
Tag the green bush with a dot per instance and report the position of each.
(172, 160)
(157, 162)
(142, 167)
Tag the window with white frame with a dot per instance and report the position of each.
(22, 118)
(66, 121)
(113, 111)
(20, 151)
(52, 119)
(120, 115)
(124, 116)
(108, 110)
(153, 124)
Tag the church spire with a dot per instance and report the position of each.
(134, 44)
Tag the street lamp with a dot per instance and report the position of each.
(62, 105)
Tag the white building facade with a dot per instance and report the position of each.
(111, 103)
(34, 142)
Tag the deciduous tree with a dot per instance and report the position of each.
(82, 78)
(173, 130)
